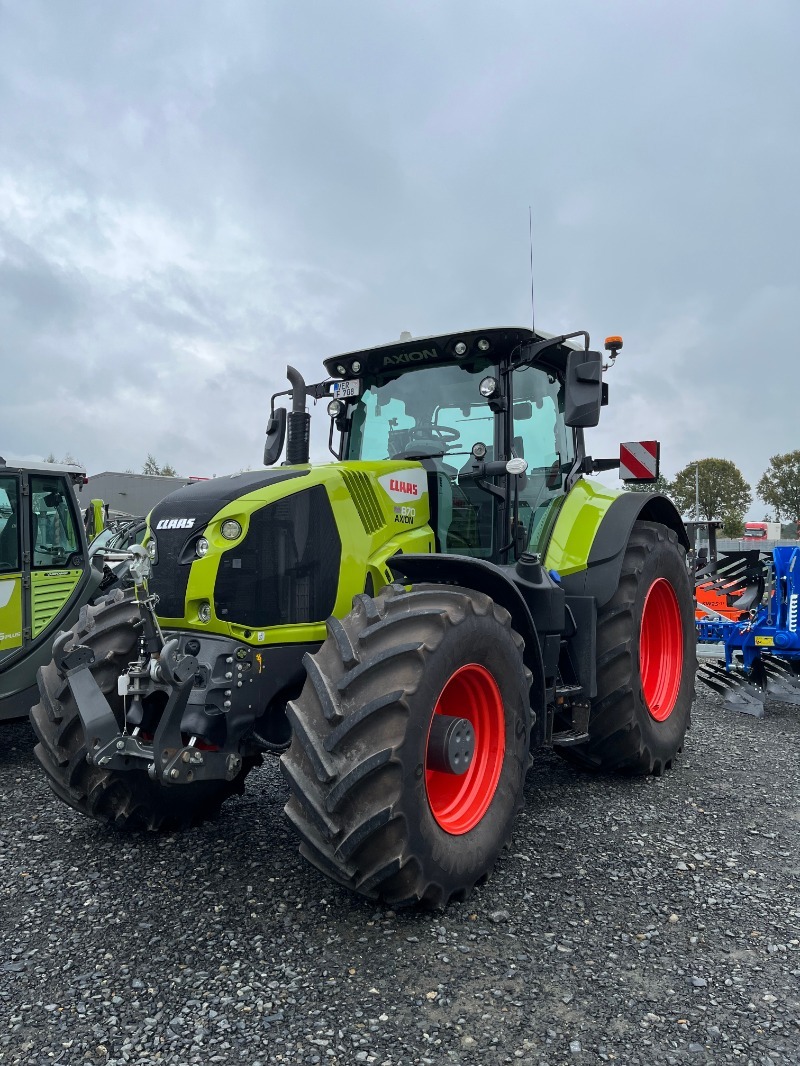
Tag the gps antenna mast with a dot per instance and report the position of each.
(530, 237)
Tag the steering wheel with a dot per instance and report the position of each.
(446, 434)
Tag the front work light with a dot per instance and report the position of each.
(488, 387)
(231, 529)
(483, 345)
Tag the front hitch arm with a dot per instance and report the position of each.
(169, 760)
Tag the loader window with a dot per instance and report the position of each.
(9, 525)
(53, 528)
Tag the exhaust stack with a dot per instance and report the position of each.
(297, 441)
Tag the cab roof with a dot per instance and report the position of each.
(501, 342)
(30, 466)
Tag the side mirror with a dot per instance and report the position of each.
(584, 389)
(276, 435)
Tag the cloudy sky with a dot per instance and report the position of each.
(194, 193)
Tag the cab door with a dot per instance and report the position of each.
(11, 584)
(57, 563)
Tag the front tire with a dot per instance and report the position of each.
(126, 799)
(372, 811)
(646, 661)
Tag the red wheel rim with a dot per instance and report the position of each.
(458, 802)
(661, 649)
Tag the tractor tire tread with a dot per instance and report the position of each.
(352, 719)
(617, 741)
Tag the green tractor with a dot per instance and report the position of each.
(403, 625)
(45, 575)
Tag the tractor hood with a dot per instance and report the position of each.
(179, 520)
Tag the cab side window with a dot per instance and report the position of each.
(53, 523)
(9, 525)
(540, 437)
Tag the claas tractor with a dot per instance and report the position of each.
(403, 625)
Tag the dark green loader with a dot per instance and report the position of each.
(405, 624)
(45, 574)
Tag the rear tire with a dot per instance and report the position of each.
(370, 811)
(125, 799)
(646, 661)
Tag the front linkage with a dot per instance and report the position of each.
(160, 667)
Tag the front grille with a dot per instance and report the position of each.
(169, 577)
(362, 493)
(286, 570)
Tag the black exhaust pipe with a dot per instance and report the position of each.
(297, 438)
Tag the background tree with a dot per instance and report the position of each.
(779, 485)
(659, 485)
(733, 525)
(151, 467)
(68, 460)
(723, 490)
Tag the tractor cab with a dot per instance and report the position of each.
(488, 420)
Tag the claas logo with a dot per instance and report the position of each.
(175, 523)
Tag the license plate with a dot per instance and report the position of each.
(347, 390)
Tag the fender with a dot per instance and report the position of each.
(601, 574)
(483, 576)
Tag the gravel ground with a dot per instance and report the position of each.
(633, 921)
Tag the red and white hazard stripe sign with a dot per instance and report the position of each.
(639, 460)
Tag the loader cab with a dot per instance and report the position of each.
(456, 403)
(43, 557)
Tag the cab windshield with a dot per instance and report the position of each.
(434, 413)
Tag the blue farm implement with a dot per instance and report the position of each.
(762, 651)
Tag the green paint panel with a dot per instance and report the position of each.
(50, 590)
(576, 527)
(10, 611)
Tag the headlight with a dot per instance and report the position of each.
(355, 366)
(341, 369)
(201, 547)
(460, 348)
(488, 387)
(231, 529)
(152, 549)
(483, 344)
(335, 408)
(204, 612)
